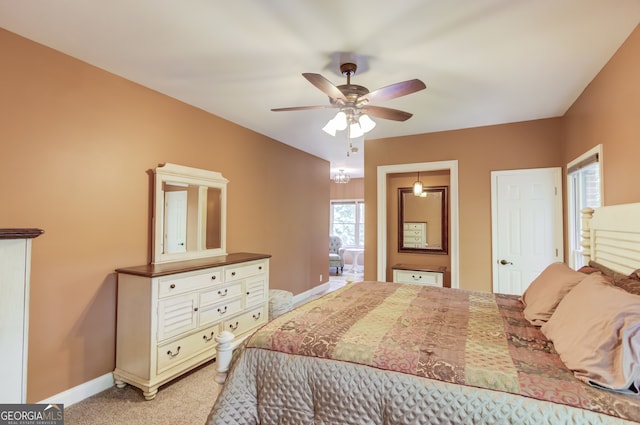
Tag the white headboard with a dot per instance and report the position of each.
(611, 236)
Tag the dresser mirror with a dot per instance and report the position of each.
(189, 213)
(423, 220)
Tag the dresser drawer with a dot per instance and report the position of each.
(219, 294)
(175, 352)
(245, 322)
(414, 226)
(215, 312)
(412, 238)
(185, 282)
(232, 273)
(418, 277)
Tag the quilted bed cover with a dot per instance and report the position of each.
(387, 353)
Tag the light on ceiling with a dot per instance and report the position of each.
(366, 123)
(417, 186)
(358, 125)
(341, 177)
(337, 123)
(355, 130)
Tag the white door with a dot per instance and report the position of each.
(175, 221)
(527, 234)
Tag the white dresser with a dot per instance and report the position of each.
(169, 314)
(15, 271)
(414, 235)
(419, 275)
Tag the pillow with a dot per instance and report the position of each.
(588, 269)
(545, 292)
(596, 331)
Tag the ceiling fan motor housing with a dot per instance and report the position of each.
(348, 69)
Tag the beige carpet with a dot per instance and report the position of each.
(186, 400)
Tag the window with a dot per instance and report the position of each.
(347, 221)
(584, 190)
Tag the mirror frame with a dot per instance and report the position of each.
(172, 173)
(443, 190)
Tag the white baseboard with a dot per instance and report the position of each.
(82, 391)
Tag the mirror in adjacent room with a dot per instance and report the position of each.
(423, 220)
(189, 214)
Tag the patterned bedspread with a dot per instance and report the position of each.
(458, 337)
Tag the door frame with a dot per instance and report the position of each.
(454, 246)
(558, 236)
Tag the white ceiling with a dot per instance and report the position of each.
(483, 61)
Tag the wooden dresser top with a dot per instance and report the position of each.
(155, 270)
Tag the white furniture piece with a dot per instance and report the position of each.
(171, 315)
(355, 255)
(414, 234)
(15, 271)
(420, 275)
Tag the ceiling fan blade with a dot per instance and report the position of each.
(325, 86)
(386, 113)
(303, 108)
(394, 90)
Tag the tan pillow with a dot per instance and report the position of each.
(545, 292)
(596, 331)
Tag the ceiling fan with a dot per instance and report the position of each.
(354, 102)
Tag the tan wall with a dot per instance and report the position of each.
(77, 147)
(352, 190)
(608, 112)
(531, 144)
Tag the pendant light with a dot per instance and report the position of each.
(417, 186)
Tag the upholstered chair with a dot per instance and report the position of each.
(335, 253)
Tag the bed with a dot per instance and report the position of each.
(389, 353)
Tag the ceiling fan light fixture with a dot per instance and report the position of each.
(330, 128)
(337, 123)
(355, 130)
(340, 121)
(366, 123)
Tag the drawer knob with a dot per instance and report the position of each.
(233, 327)
(233, 273)
(208, 338)
(248, 293)
(195, 309)
(171, 354)
(172, 286)
(259, 267)
(213, 277)
(221, 311)
(257, 316)
(416, 277)
(223, 294)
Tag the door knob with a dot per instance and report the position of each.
(505, 262)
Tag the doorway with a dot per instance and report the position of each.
(382, 233)
(527, 230)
